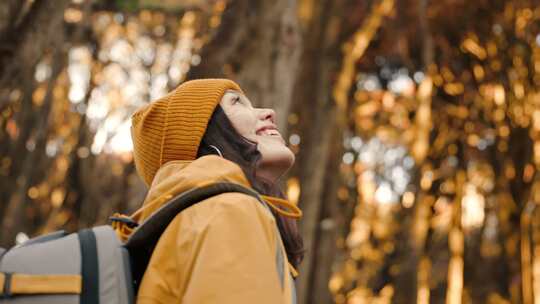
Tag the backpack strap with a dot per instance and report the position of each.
(144, 238)
(89, 267)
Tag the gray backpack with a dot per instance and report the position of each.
(92, 266)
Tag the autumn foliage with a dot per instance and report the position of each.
(416, 126)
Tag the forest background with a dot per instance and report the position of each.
(415, 123)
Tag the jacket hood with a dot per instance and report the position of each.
(177, 177)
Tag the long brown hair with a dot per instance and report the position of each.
(238, 149)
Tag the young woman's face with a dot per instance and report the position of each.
(259, 125)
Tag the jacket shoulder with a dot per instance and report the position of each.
(231, 206)
(225, 241)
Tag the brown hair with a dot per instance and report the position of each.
(238, 149)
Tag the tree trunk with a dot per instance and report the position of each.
(9, 13)
(15, 216)
(24, 42)
(330, 24)
(258, 45)
(36, 28)
(334, 220)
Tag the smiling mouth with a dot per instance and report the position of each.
(268, 131)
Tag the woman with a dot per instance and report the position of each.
(230, 248)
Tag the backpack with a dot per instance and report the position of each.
(93, 265)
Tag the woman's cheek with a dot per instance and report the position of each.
(247, 126)
(243, 127)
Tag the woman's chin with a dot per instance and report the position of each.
(276, 160)
(287, 158)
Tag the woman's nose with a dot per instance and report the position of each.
(267, 114)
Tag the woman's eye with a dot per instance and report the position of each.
(236, 99)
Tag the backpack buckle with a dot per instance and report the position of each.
(123, 225)
(123, 219)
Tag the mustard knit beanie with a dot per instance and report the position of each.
(171, 128)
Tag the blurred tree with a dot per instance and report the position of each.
(258, 45)
(461, 96)
(29, 29)
(327, 27)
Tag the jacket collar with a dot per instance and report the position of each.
(177, 177)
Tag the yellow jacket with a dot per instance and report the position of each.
(221, 250)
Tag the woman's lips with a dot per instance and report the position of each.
(268, 131)
(271, 132)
